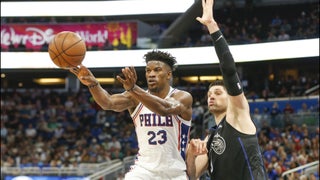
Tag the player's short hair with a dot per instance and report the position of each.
(217, 82)
(157, 55)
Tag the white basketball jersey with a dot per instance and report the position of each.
(162, 140)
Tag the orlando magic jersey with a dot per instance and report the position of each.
(162, 140)
(234, 155)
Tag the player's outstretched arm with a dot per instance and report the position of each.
(115, 102)
(238, 108)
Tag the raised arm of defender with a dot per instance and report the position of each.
(238, 112)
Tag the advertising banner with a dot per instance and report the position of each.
(34, 37)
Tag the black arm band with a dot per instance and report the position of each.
(227, 65)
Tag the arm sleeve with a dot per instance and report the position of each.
(227, 65)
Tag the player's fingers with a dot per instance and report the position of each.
(125, 73)
(197, 145)
(203, 147)
(200, 149)
(133, 70)
(199, 19)
(71, 70)
(130, 72)
(121, 80)
(192, 144)
(74, 70)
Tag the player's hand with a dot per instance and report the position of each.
(197, 147)
(84, 75)
(207, 14)
(130, 78)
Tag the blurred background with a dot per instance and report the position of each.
(51, 127)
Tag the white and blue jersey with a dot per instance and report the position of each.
(162, 141)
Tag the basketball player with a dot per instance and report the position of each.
(161, 115)
(231, 150)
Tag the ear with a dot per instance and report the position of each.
(169, 75)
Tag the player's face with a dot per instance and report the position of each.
(158, 74)
(217, 99)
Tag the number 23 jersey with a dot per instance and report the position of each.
(162, 140)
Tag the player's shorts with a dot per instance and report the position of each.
(139, 173)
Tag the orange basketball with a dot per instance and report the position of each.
(67, 49)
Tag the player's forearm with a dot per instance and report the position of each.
(116, 102)
(100, 96)
(191, 166)
(158, 105)
(227, 64)
(212, 27)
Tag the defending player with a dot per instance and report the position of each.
(231, 151)
(161, 115)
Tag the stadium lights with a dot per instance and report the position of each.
(56, 81)
(185, 56)
(106, 80)
(93, 8)
(195, 79)
(49, 81)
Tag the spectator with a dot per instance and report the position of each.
(269, 153)
(288, 109)
(283, 36)
(276, 21)
(274, 113)
(114, 144)
(101, 117)
(197, 112)
(257, 118)
(271, 37)
(304, 110)
(31, 132)
(4, 130)
(58, 132)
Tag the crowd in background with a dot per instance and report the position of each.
(256, 25)
(41, 128)
(47, 128)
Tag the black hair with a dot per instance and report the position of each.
(157, 55)
(217, 82)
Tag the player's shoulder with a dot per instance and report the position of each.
(182, 96)
(181, 92)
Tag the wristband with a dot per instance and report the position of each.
(131, 88)
(93, 85)
(216, 36)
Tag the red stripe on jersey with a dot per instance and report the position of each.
(179, 131)
(137, 113)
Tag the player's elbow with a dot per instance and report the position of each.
(109, 105)
(106, 107)
(114, 107)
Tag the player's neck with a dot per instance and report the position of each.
(219, 116)
(161, 92)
